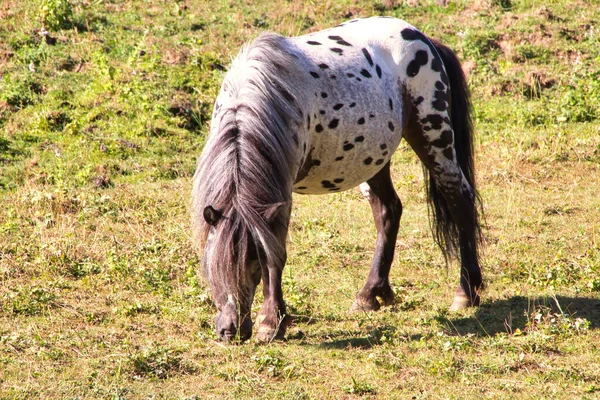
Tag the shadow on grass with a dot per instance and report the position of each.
(365, 342)
(344, 339)
(507, 315)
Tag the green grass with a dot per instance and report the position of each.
(101, 293)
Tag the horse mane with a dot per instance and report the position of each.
(246, 167)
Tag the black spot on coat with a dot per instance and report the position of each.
(441, 100)
(361, 121)
(413, 34)
(348, 146)
(415, 65)
(319, 128)
(367, 56)
(368, 161)
(314, 74)
(313, 43)
(444, 140)
(365, 73)
(338, 106)
(333, 123)
(340, 41)
(448, 153)
(434, 120)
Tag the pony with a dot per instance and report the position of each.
(323, 113)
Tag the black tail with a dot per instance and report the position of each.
(447, 229)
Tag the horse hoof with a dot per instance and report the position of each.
(462, 301)
(459, 303)
(267, 335)
(364, 305)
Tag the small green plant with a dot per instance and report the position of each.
(544, 320)
(19, 92)
(360, 388)
(32, 301)
(158, 363)
(56, 14)
(139, 308)
(273, 363)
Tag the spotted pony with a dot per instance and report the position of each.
(323, 113)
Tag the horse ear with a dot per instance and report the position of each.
(274, 211)
(212, 216)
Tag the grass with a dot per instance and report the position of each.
(104, 107)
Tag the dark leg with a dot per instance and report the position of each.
(460, 201)
(467, 292)
(456, 197)
(272, 319)
(387, 210)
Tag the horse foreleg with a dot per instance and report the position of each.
(387, 210)
(272, 319)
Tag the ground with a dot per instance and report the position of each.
(104, 107)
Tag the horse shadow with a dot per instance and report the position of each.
(491, 318)
(518, 312)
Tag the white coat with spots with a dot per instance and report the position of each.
(359, 83)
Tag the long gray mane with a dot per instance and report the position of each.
(246, 167)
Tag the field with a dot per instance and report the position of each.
(104, 109)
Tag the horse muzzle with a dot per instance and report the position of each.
(232, 326)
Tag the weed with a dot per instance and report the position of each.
(56, 14)
(360, 388)
(158, 362)
(273, 364)
(30, 300)
(139, 308)
(544, 320)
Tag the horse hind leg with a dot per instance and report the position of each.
(438, 128)
(387, 210)
(453, 201)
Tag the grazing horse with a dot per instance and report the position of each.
(322, 113)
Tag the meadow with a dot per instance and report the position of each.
(104, 109)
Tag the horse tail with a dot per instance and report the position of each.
(446, 228)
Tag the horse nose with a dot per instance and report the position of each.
(227, 322)
(228, 334)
